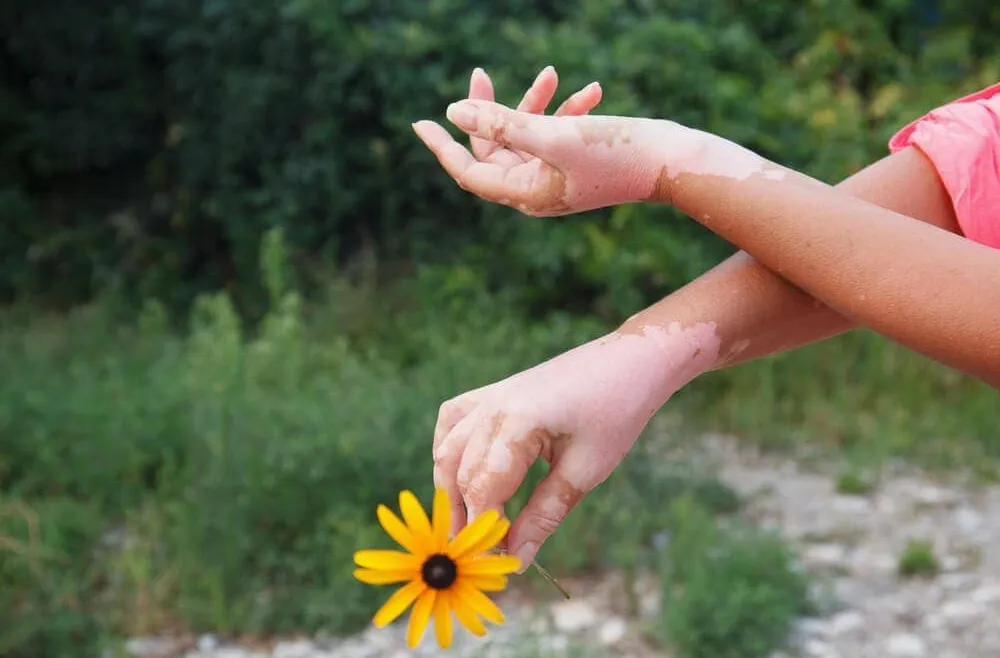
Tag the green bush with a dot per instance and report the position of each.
(728, 592)
(220, 480)
(154, 143)
(918, 559)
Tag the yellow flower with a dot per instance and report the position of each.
(442, 576)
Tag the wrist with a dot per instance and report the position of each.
(680, 154)
(669, 356)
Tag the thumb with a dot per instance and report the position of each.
(502, 125)
(550, 502)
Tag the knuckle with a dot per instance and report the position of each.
(475, 490)
(448, 410)
(545, 523)
(443, 455)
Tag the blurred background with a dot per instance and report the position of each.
(235, 289)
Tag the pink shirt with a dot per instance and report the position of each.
(962, 139)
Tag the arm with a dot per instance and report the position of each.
(758, 313)
(915, 283)
(583, 410)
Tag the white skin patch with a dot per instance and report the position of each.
(499, 459)
(690, 151)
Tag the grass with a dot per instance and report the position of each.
(210, 478)
(729, 592)
(860, 399)
(918, 559)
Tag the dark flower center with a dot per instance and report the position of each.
(439, 571)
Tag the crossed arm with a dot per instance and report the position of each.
(882, 249)
(912, 281)
(758, 313)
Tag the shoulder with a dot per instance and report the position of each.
(962, 141)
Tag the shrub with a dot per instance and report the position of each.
(729, 591)
(918, 559)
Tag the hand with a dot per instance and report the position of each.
(546, 165)
(581, 411)
(535, 100)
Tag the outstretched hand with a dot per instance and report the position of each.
(545, 165)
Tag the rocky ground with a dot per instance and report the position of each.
(851, 543)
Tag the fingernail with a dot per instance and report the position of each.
(478, 71)
(463, 115)
(525, 554)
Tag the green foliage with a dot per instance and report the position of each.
(852, 483)
(225, 157)
(860, 395)
(221, 479)
(154, 143)
(918, 559)
(729, 591)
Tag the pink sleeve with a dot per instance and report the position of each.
(962, 140)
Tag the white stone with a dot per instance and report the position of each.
(299, 649)
(649, 604)
(573, 616)
(960, 613)
(951, 563)
(235, 652)
(824, 555)
(905, 645)
(552, 644)
(968, 521)
(612, 631)
(151, 647)
(930, 494)
(810, 627)
(987, 594)
(207, 643)
(846, 622)
(818, 649)
(851, 505)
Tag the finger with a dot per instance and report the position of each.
(581, 102)
(540, 93)
(501, 183)
(547, 507)
(449, 415)
(496, 461)
(481, 88)
(502, 125)
(447, 456)
(447, 459)
(454, 157)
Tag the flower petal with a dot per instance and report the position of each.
(387, 560)
(376, 577)
(419, 616)
(398, 530)
(490, 539)
(441, 523)
(467, 617)
(398, 603)
(471, 534)
(416, 520)
(490, 565)
(444, 628)
(488, 583)
(478, 602)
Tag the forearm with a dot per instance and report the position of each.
(756, 312)
(924, 287)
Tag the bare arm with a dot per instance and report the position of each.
(925, 287)
(914, 282)
(758, 313)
